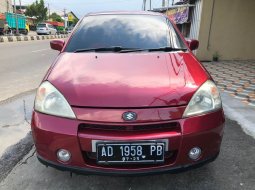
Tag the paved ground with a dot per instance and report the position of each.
(15, 116)
(236, 80)
(235, 77)
(234, 169)
(32, 33)
(23, 65)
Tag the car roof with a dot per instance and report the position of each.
(125, 13)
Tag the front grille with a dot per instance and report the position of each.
(129, 127)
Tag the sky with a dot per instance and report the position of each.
(82, 7)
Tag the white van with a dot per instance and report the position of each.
(45, 28)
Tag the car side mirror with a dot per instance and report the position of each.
(57, 44)
(193, 44)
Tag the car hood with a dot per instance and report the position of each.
(127, 80)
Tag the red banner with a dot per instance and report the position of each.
(2, 16)
(55, 23)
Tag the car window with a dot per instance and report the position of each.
(41, 25)
(127, 31)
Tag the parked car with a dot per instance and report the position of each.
(69, 30)
(127, 96)
(45, 28)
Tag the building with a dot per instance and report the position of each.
(21, 9)
(224, 28)
(6, 6)
(71, 19)
(227, 27)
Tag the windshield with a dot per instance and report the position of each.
(126, 31)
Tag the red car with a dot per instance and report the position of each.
(127, 96)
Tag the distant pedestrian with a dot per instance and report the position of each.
(6, 28)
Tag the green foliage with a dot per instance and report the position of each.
(75, 20)
(60, 28)
(216, 56)
(38, 10)
(56, 17)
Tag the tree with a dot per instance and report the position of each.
(75, 20)
(38, 10)
(56, 17)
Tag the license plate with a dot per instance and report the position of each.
(135, 152)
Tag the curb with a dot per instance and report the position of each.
(4, 39)
(14, 154)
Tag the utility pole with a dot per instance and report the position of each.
(20, 6)
(144, 5)
(150, 5)
(49, 10)
(167, 7)
(65, 17)
(16, 16)
(7, 3)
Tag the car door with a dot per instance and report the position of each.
(53, 30)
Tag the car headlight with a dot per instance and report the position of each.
(50, 101)
(206, 99)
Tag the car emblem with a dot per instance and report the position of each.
(129, 116)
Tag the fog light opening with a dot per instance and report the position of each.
(194, 153)
(63, 155)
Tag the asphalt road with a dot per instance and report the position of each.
(23, 65)
(234, 169)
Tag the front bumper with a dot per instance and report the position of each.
(53, 133)
(42, 32)
(88, 171)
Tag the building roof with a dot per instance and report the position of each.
(163, 9)
(73, 14)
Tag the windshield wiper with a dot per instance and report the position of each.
(127, 50)
(105, 49)
(165, 49)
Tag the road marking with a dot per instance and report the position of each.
(35, 51)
